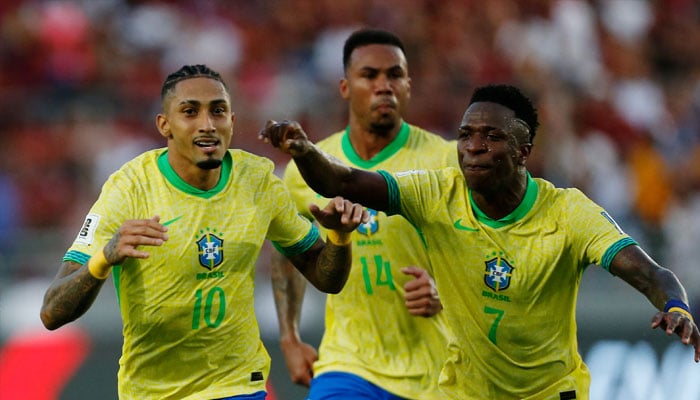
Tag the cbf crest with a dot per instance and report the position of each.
(211, 250)
(371, 226)
(498, 274)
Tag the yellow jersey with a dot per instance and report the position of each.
(189, 324)
(369, 331)
(508, 286)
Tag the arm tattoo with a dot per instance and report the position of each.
(110, 249)
(333, 266)
(75, 299)
(70, 296)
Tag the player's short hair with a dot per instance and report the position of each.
(511, 97)
(366, 36)
(188, 72)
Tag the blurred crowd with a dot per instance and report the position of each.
(617, 84)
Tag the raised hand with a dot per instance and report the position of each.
(340, 215)
(682, 325)
(286, 136)
(134, 233)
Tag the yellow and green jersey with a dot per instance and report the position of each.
(189, 324)
(369, 331)
(508, 286)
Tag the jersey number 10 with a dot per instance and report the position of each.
(208, 306)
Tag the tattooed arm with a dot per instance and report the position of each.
(71, 294)
(326, 266)
(76, 286)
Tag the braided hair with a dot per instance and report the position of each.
(188, 72)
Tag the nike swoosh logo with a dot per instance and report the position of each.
(458, 225)
(166, 223)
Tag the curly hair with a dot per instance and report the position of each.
(511, 97)
(364, 37)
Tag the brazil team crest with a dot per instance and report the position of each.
(498, 274)
(211, 251)
(371, 226)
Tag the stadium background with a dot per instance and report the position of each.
(617, 83)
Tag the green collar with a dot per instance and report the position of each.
(386, 152)
(174, 179)
(517, 214)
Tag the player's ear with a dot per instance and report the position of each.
(524, 153)
(343, 87)
(233, 121)
(408, 87)
(163, 126)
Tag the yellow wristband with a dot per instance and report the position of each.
(98, 265)
(339, 238)
(682, 311)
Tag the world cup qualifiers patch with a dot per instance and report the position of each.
(612, 221)
(87, 233)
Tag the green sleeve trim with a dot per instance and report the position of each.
(301, 246)
(612, 251)
(394, 200)
(76, 256)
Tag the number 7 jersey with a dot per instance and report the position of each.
(508, 286)
(188, 309)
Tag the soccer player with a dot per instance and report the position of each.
(508, 251)
(384, 336)
(180, 228)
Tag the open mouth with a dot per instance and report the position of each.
(207, 144)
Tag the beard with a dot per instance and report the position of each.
(211, 163)
(382, 127)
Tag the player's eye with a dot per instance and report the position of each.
(396, 73)
(496, 135)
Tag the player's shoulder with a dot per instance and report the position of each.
(247, 160)
(547, 187)
(420, 138)
(331, 144)
(332, 141)
(447, 175)
(564, 198)
(144, 163)
(426, 135)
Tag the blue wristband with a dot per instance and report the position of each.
(676, 303)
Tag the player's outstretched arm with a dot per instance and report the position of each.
(288, 286)
(324, 173)
(663, 289)
(76, 286)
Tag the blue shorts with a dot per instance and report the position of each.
(345, 386)
(255, 396)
